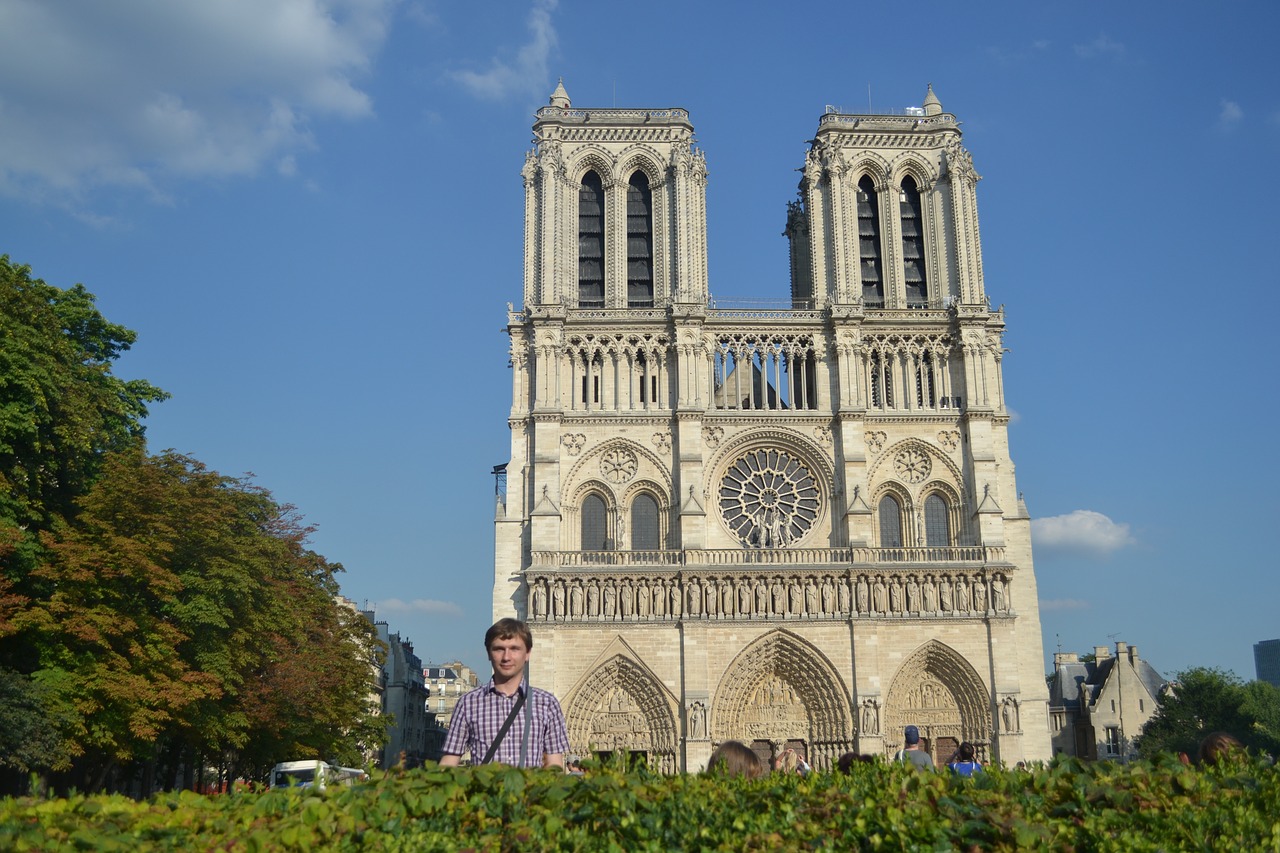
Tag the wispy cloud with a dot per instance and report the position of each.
(1081, 532)
(527, 73)
(1017, 54)
(1102, 47)
(1230, 114)
(140, 95)
(1063, 604)
(427, 606)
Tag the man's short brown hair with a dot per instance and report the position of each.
(505, 629)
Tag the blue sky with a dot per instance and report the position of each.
(310, 211)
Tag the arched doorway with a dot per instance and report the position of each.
(781, 692)
(940, 693)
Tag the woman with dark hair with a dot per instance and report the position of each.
(965, 764)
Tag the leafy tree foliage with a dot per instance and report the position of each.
(61, 408)
(1208, 700)
(155, 616)
(189, 621)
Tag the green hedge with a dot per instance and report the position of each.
(1068, 806)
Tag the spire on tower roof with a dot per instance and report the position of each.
(932, 106)
(560, 98)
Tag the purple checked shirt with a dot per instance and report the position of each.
(479, 715)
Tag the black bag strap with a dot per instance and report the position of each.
(493, 747)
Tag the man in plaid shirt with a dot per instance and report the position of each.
(479, 715)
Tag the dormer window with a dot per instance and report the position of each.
(639, 242)
(591, 242)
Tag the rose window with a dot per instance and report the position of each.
(618, 465)
(912, 465)
(768, 499)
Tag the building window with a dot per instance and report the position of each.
(926, 394)
(1113, 740)
(890, 522)
(595, 532)
(591, 242)
(937, 528)
(881, 381)
(639, 242)
(869, 243)
(913, 266)
(644, 524)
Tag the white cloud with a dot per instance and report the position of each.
(527, 74)
(1063, 604)
(1082, 532)
(418, 605)
(135, 93)
(1230, 115)
(1102, 46)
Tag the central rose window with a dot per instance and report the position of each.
(768, 499)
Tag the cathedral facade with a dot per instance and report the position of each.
(794, 526)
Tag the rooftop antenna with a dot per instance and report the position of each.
(1058, 637)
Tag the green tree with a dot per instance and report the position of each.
(61, 408)
(189, 624)
(1203, 700)
(61, 411)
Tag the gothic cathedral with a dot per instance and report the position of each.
(793, 526)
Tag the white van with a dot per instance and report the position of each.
(314, 773)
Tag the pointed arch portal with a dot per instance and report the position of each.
(621, 707)
(939, 692)
(783, 690)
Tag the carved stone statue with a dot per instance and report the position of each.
(828, 596)
(945, 598)
(998, 603)
(697, 721)
(744, 599)
(930, 595)
(762, 597)
(695, 598)
(593, 600)
(895, 596)
(913, 595)
(659, 598)
(575, 601)
(870, 717)
(794, 602)
(779, 597)
(557, 601)
(539, 601)
(962, 595)
(810, 597)
(610, 600)
(863, 605)
(626, 599)
(842, 595)
(642, 599)
(878, 596)
(979, 595)
(674, 597)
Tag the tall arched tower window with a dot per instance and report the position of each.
(869, 242)
(937, 527)
(595, 526)
(591, 242)
(644, 524)
(890, 522)
(639, 242)
(913, 244)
